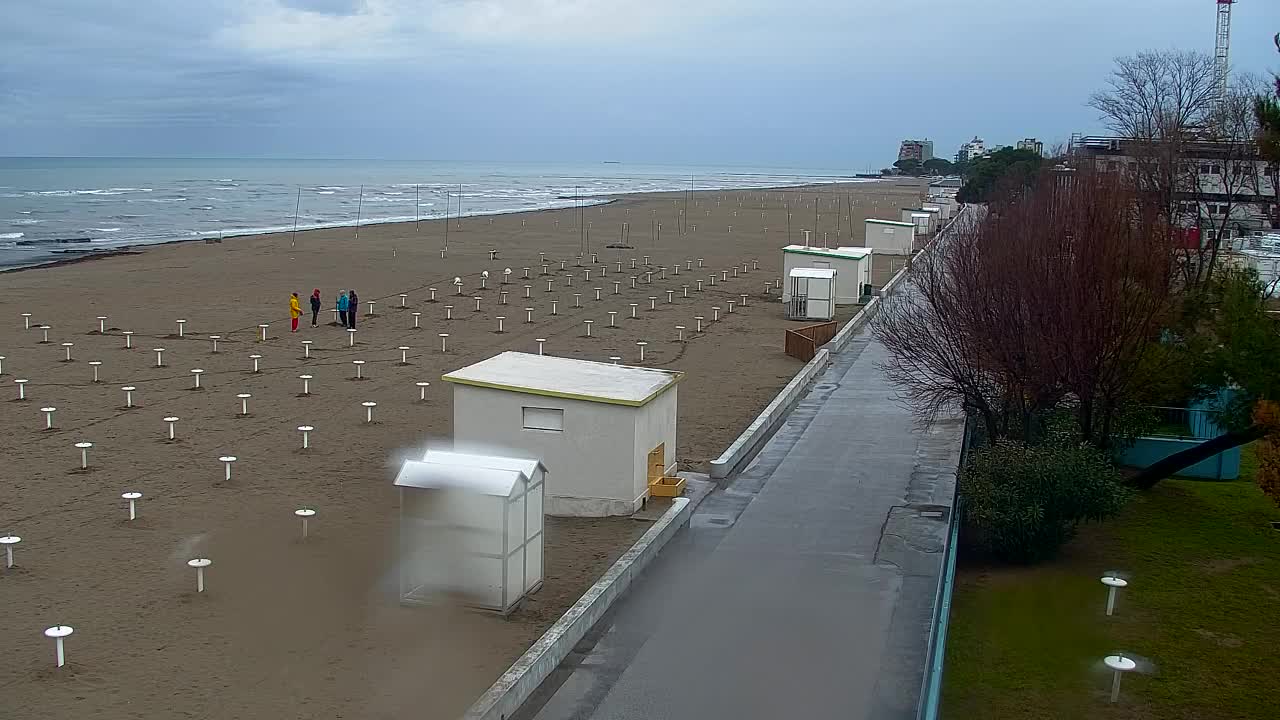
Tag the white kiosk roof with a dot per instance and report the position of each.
(490, 462)
(486, 481)
(567, 378)
(852, 253)
(485, 474)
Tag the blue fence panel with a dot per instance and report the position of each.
(1146, 451)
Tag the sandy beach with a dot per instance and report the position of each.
(312, 629)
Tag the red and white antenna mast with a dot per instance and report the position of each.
(1222, 50)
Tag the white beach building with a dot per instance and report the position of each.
(940, 213)
(810, 294)
(603, 430)
(890, 237)
(852, 266)
(471, 528)
(921, 219)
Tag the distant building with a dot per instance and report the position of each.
(1220, 187)
(1031, 144)
(919, 150)
(972, 150)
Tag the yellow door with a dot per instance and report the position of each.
(657, 463)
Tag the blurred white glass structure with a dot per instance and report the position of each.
(471, 529)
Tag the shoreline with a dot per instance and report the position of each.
(74, 257)
(599, 200)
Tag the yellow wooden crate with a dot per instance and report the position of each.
(667, 487)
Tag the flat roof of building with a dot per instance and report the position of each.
(890, 222)
(845, 253)
(567, 378)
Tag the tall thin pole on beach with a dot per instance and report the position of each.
(684, 224)
(359, 209)
(839, 222)
(293, 239)
(815, 217)
(447, 203)
(415, 207)
(459, 206)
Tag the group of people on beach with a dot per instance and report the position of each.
(348, 303)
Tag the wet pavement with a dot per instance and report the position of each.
(802, 589)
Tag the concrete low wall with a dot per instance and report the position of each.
(768, 420)
(516, 685)
(870, 309)
(851, 328)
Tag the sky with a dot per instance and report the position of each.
(802, 83)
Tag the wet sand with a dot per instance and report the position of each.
(301, 629)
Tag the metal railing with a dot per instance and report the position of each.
(931, 687)
(1186, 423)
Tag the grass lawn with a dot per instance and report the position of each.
(1203, 607)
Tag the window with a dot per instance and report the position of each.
(536, 418)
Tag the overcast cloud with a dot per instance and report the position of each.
(817, 83)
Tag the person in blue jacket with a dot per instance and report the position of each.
(343, 305)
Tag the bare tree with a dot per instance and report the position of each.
(934, 358)
(1051, 301)
(1158, 95)
(1194, 155)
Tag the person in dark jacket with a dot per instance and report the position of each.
(343, 305)
(353, 302)
(315, 306)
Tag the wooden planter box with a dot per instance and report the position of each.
(667, 487)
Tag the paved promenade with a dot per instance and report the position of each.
(804, 589)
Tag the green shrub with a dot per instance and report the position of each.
(1024, 502)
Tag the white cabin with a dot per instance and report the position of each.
(604, 430)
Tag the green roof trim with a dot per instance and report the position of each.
(891, 222)
(826, 253)
(676, 377)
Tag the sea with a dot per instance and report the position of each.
(58, 208)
